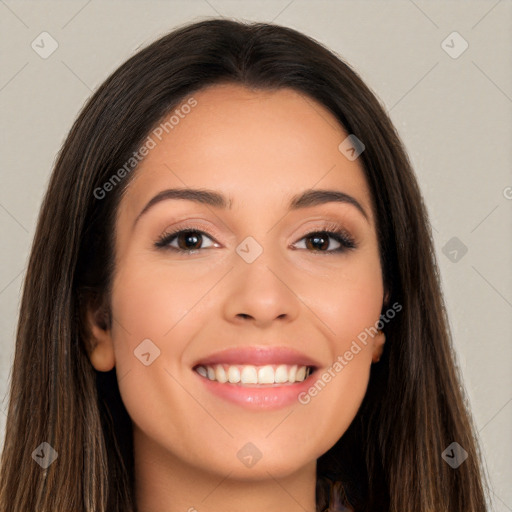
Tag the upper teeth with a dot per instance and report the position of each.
(249, 374)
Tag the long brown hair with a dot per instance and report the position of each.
(390, 459)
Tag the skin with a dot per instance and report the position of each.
(260, 148)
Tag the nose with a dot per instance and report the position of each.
(261, 293)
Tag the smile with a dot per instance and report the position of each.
(247, 375)
(256, 377)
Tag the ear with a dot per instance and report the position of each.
(378, 346)
(385, 301)
(101, 351)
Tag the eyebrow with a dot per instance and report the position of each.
(307, 199)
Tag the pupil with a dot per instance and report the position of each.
(189, 235)
(318, 239)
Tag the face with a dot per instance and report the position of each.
(260, 294)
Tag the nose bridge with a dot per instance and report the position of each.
(258, 285)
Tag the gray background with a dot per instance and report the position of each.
(453, 115)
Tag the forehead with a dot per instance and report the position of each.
(258, 147)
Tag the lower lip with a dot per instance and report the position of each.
(268, 397)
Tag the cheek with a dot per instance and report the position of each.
(153, 321)
(351, 309)
(334, 396)
(352, 302)
(149, 302)
(154, 318)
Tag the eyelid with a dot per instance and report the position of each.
(326, 225)
(192, 225)
(335, 230)
(180, 227)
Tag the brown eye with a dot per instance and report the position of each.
(187, 240)
(319, 241)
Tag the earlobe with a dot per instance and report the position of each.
(101, 353)
(378, 346)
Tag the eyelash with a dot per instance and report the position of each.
(346, 242)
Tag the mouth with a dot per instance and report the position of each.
(251, 375)
(261, 377)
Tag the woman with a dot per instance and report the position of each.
(232, 300)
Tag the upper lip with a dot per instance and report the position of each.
(258, 355)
